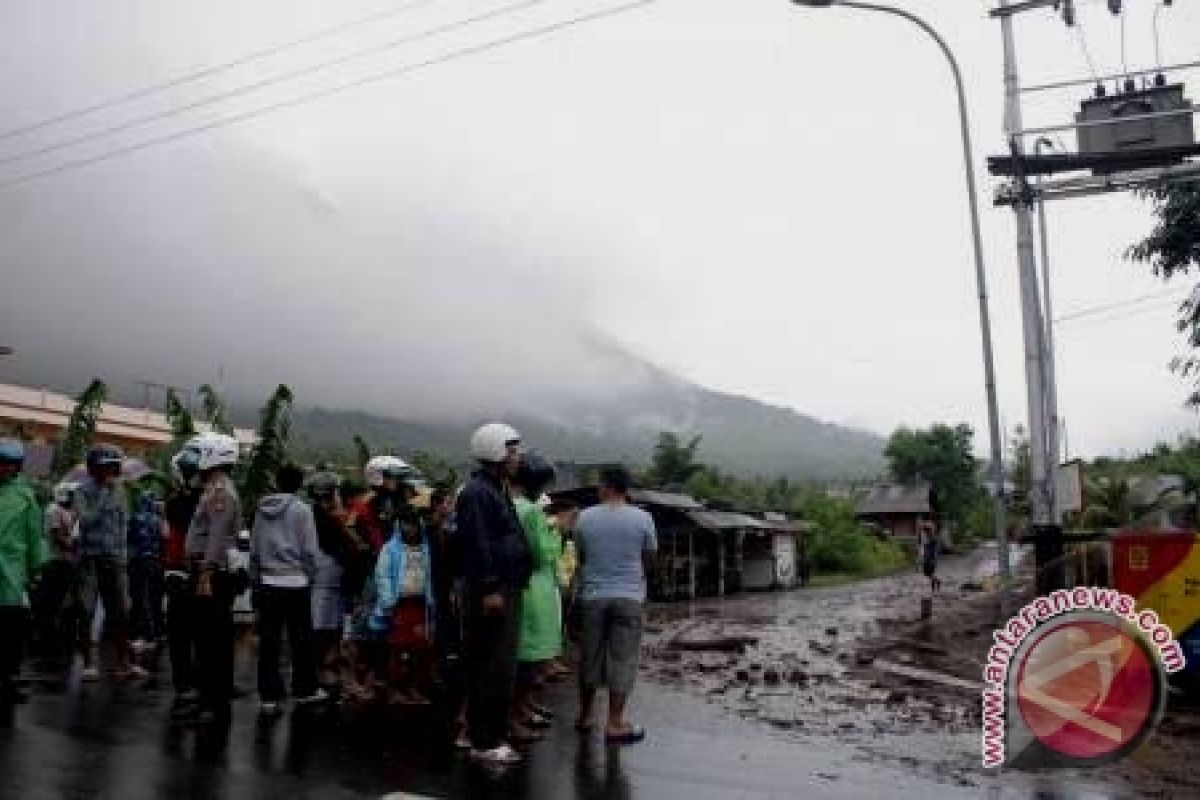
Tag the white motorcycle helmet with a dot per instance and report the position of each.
(213, 450)
(64, 492)
(491, 442)
(381, 467)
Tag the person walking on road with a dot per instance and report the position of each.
(496, 565)
(928, 550)
(23, 553)
(103, 558)
(212, 534)
(283, 562)
(617, 543)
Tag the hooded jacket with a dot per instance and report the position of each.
(22, 546)
(283, 543)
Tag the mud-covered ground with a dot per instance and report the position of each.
(859, 665)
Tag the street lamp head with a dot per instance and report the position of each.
(815, 3)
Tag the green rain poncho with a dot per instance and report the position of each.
(23, 549)
(541, 611)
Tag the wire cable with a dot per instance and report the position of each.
(254, 86)
(209, 71)
(1158, 7)
(1124, 59)
(1120, 304)
(453, 55)
(1087, 51)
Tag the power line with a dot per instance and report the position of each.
(206, 72)
(1087, 52)
(1120, 304)
(284, 77)
(453, 55)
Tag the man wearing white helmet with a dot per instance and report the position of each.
(211, 535)
(496, 564)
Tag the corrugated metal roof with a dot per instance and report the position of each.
(726, 520)
(891, 498)
(668, 499)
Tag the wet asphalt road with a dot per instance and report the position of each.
(107, 741)
(116, 742)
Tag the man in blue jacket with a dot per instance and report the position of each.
(496, 565)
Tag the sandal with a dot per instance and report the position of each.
(634, 735)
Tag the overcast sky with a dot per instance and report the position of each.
(764, 199)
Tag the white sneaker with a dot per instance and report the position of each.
(500, 756)
(268, 709)
(319, 696)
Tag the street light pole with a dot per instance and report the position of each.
(985, 324)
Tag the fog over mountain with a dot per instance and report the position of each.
(414, 312)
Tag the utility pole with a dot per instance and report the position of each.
(1048, 541)
(1053, 451)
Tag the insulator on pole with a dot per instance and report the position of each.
(1067, 7)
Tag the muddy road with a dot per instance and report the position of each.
(857, 664)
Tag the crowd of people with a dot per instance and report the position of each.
(470, 599)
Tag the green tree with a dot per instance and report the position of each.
(1108, 504)
(271, 450)
(81, 427)
(943, 456)
(214, 409)
(183, 427)
(362, 452)
(674, 462)
(1173, 248)
(435, 468)
(1020, 473)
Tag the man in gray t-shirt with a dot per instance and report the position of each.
(616, 544)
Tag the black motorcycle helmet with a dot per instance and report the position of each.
(535, 474)
(105, 459)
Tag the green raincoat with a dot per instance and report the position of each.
(541, 611)
(23, 548)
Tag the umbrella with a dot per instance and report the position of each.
(132, 469)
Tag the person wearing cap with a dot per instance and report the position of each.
(496, 563)
(23, 553)
(103, 556)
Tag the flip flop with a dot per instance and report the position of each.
(632, 736)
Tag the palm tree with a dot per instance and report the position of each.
(81, 427)
(214, 409)
(271, 451)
